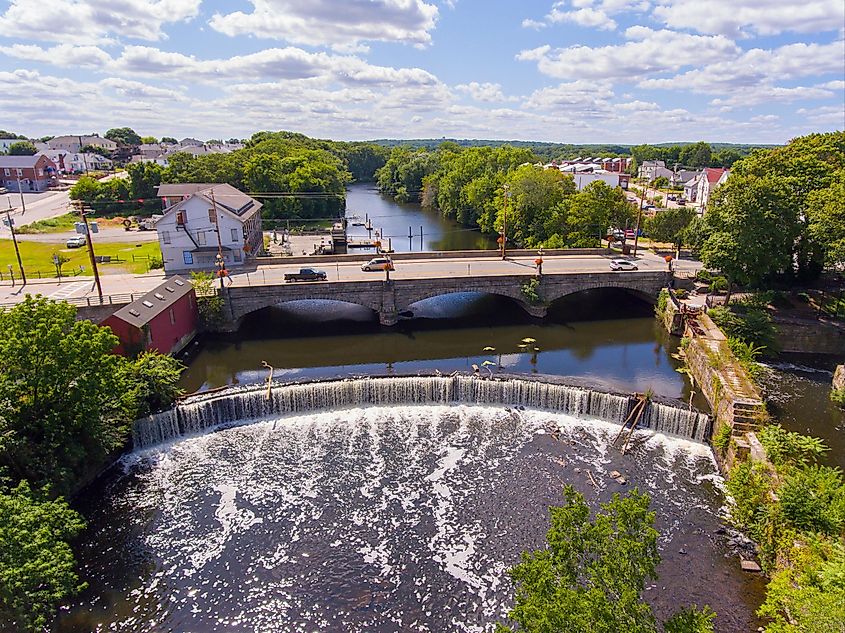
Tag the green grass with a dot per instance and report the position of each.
(38, 257)
(51, 225)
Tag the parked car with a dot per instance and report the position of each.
(377, 263)
(622, 264)
(682, 202)
(306, 274)
(3, 190)
(76, 241)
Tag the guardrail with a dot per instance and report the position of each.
(93, 302)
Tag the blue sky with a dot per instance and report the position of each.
(570, 71)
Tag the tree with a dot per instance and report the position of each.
(154, 380)
(169, 139)
(591, 574)
(150, 140)
(7, 134)
(22, 148)
(63, 403)
(752, 225)
(95, 149)
(37, 567)
(536, 206)
(826, 217)
(209, 303)
(123, 136)
(670, 225)
(144, 178)
(595, 209)
(697, 155)
(661, 182)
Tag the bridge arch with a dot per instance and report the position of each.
(411, 304)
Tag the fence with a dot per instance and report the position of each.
(92, 302)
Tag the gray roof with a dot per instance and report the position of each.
(20, 161)
(142, 311)
(225, 196)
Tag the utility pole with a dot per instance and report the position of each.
(505, 222)
(221, 263)
(20, 191)
(90, 242)
(11, 224)
(637, 232)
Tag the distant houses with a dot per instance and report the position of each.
(587, 170)
(203, 220)
(160, 153)
(77, 162)
(27, 173)
(699, 188)
(73, 144)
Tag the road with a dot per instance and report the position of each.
(81, 287)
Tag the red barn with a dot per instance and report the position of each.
(164, 320)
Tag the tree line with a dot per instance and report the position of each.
(277, 162)
(66, 408)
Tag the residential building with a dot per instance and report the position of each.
(651, 169)
(682, 176)
(34, 173)
(611, 179)
(77, 162)
(164, 320)
(201, 220)
(700, 188)
(73, 143)
(6, 143)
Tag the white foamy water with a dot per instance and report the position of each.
(370, 519)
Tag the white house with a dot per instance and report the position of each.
(611, 179)
(72, 143)
(76, 162)
(651, 169)
(202, 220)
(700, 188)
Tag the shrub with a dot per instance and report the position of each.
(530, 290)
(156, 262)
(748, 485)
(718, 284)
(662, 302)
(704, 275)
(813, 499)
(838, 397)
(681, 293)
(786, 447)
(722, 439)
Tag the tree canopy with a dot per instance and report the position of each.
(591, 574)
(22, 148)
(123, 136)
(670, 225)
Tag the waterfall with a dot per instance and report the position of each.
(221, 408)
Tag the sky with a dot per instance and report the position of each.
(569, 71)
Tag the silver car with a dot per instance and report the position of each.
(76, 242)
(622, 264)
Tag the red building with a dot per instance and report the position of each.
(164, 320)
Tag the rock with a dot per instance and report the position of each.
(621, 480)
(750, 566)
(682, 551)
(577, 470)
(839, 377)
(615, 474)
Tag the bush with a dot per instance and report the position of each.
(530, 290)
(837, 396)
(786, 447)
(704, 275)
(813, 499)
(681, 293)
(662, 302)
(749, 325)
(748, 485)
(722, 439)
(156, 262)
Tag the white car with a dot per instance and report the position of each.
(76, 242)
(377, 264)
(622, 264)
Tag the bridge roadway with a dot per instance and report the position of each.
(415, 280)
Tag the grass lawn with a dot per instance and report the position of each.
(65, 222)
(38, 257)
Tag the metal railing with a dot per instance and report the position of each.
(93, 302)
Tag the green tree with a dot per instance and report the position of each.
(593, 211)
(169, 139)
(591, 574)
(123, 136)
(670, 225)
(826, 219)
(150, 140)
(144, 179)
(22, 148)
(209, 303)
(37, 568)
(536, 206)
(752, 225)
(154, 381)
(661, 182)
(697, 155)
(63, 403)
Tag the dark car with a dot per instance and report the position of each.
(306, 274)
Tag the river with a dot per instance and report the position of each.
(428, 229)
(406, 517)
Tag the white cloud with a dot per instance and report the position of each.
(832, 116)
(770, 94)
(341, 24)
(92, 21)
(62, 55)
(588, 17)
(588, 13)
(137, 90)
(646, 53)
(740, 18)
(576, 97)
(487, 92)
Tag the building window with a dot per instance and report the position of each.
(7, 172)
(165, 237)
(20, 172)
(188, 257)
(201, 238)
(212, 217)
(172, 317)
(237, 255)
(234, 235)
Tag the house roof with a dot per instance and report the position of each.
(226, 196)
(145, 309)
(714, 173)
(22, 162)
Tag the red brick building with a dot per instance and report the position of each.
(34, 173)
(164, 320)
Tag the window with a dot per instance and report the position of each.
(172, 317)
(201, 238)
(165, 237)
(20, 172)
(234, 235)
(188, 257)
(180, 217)
(237, 255)
(7, 172)
(212, 217)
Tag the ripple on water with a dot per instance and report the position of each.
(376, 519)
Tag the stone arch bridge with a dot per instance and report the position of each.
(390, 298)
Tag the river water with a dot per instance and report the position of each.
(396, 221)
(405, 518)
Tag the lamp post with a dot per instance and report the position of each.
(11, 224)
(504, 237)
